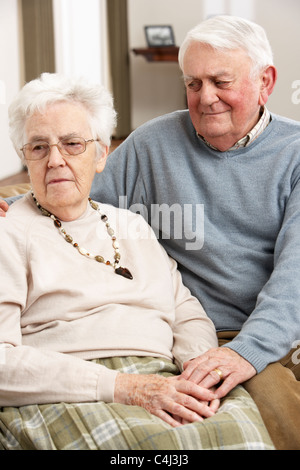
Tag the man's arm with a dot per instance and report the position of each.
(273, 326)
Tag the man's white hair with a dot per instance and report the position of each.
(49, 89)
(229, 33)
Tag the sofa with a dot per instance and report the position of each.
(14, 190)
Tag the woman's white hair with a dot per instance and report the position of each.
(229, 33)
(50, 88)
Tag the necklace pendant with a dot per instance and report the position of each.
(124, 272)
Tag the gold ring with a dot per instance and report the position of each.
(220, 373)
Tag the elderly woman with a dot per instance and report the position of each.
(93, 313)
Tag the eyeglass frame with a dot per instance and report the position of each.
(56, 145)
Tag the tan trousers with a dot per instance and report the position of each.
(276, 392)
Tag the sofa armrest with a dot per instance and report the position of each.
(14, 190)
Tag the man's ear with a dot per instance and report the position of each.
(102, 160)
(268, 81)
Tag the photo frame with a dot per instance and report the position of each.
(159, 36)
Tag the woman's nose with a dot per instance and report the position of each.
(55, 158)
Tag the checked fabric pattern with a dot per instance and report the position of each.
(101, 426)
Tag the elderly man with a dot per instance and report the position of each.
(225, 174)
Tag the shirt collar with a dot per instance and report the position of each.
(257, 130)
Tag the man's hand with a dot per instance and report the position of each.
(3, 208)
(217, 365)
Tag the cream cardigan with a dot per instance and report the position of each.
(59, 309)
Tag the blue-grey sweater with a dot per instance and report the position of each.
(231, 220)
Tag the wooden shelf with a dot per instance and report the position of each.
(158, 54)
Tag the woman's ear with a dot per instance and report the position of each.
(101, 162)
(268, 80)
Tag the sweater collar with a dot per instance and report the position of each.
(257, 130)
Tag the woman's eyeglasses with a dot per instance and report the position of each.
(40, 149)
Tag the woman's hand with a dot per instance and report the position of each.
(172, 399)
(3, 208)
(219, 366)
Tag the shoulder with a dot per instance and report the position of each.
(286, 126)
(163, 128)
(179, 119)
(20, 212)
(16, 226)
(162, 136)
(21, 220)
(128, 223)
(139, 152)
(135, 229)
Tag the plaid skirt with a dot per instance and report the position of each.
(112, 426)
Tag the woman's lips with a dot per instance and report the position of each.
(59, 180)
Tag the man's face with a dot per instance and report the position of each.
(223, 100)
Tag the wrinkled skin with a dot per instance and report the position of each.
(235, 370)
(173, 399)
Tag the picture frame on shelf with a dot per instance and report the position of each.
(160, 36)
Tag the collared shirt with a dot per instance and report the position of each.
(257, 130)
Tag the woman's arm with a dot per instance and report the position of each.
(34, 376)
(27, 374)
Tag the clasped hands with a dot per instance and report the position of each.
(192, 396)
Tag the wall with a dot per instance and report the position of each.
(10, 79)
(157, 88)
(281, 21)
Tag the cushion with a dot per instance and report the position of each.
(14, 190)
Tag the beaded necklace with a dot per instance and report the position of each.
(115, 265)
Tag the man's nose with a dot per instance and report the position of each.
(208, 94)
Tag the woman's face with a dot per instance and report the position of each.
(60, 183)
